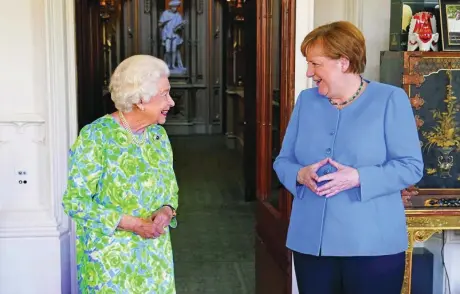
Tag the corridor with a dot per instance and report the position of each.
(214, 242)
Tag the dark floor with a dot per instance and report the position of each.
(214, 241)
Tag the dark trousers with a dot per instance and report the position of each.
(349, 275)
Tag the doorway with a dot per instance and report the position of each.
(275, 94)
(211, 128)
(217, 71)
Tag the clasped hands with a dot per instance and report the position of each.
(343, 179)
(149, 228)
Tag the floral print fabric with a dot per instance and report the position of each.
(110, 176)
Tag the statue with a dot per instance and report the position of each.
(423, 33)
(171, 25)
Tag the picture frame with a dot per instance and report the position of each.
(431, 80)
(438, 125)
(450, 24)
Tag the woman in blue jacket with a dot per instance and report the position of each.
(350, 147)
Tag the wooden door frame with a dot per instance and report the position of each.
(272, 224)
(89, 56)
(263, 96)
(287, 98)
(264, 88)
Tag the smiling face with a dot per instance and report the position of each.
(158, 106)
(325, 72)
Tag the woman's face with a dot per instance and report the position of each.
(324, 71)
(158, 106)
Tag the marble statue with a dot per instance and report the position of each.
(171, 25)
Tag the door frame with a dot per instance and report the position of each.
(264, 88)
(61, 118)
(271, 223)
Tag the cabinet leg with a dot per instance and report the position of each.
(406, 289)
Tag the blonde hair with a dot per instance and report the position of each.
(339, 39)
(135, 79)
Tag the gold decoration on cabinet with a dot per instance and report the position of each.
(444, 136)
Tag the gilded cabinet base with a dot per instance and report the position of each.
(414, 236)
(420, 228)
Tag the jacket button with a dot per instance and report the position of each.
(328, 150)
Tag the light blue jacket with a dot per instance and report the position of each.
(377, 135)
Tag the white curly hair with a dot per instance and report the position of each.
(135, 79)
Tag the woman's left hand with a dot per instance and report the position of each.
(162, 217)
(343, 179)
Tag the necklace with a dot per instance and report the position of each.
(126, 126)
(352, 97)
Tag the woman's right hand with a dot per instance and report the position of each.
(307, 175)
(147, 229)
(142, 227)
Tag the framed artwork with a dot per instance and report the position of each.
(450, 24)
(438, 121)
(432, 83)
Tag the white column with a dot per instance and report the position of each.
(36, 124)
(305, 11)
(354, 12)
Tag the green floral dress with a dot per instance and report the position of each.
(110, 176)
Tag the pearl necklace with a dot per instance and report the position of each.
(126, 126)
(352, 97)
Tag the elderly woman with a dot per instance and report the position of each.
(350, 147)
(122, 191)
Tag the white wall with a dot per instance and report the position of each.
(364, 15)
(451, 255)
(374, 24)
(452, 258)
(35, 85)
(328, 11)
(24, 76)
